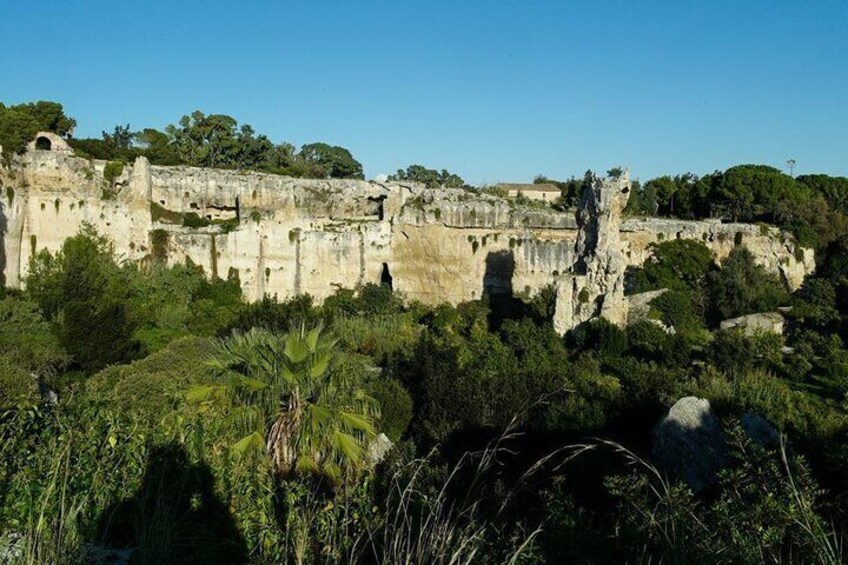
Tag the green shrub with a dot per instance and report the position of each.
(81, 288)
(395, 407)
(160, 239)
(676, 309)
(159, 213)
(273, 315)
(193, 220)
(743, 287)
(735, 353)
(112, 170)
(680, 264)
(27, 338)
(16, 384)
(150, 388)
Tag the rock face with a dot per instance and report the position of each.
(594, 286)
(283, 236)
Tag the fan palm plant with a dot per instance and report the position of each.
(283, 391)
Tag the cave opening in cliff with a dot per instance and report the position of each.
(378, 208)
(43, 144)
(386, 277)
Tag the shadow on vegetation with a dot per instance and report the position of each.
(174, 515)
(499, 294)
(497, 288)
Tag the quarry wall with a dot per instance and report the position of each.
(283, 236)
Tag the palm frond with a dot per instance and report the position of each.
(249, 442)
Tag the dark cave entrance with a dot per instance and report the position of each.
(386, 277)
(378, 209)
(43, 144)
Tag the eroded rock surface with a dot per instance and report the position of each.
(594, 286)
(283, 236)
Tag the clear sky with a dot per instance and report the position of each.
(494, 91)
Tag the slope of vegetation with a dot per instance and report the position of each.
(148, 409)
(153, 409)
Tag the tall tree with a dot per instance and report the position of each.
(742, 287)
(205, 141)
(81, 289)
(121, 137)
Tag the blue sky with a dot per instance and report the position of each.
(494, 91)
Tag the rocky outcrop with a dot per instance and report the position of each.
(689, 442)
(639, 305)
(283, 236)
(751, 324)
(594, 286)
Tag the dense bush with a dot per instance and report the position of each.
(395, 407)
(742, 287)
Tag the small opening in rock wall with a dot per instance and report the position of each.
(379, 201)
(386, 277)
(43, 143)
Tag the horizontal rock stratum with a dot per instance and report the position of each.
(284, 236)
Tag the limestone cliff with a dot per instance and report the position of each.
(594, 286)
(283, 236)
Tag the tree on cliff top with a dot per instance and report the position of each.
(431, 178)
(20, 123)
(333, 161)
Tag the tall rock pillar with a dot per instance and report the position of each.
(138, 206)
(595, 285)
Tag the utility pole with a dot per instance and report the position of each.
(791, 163)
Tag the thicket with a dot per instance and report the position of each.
(150, 408)
(141, 409)
(197, 139)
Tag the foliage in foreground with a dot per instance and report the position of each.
(487, 405)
